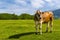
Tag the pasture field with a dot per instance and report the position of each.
(25, 30)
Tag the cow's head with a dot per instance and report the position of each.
(38, 14)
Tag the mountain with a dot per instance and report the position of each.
(57, 13)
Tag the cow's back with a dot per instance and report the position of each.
(47, 16)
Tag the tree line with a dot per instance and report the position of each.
(7, 16)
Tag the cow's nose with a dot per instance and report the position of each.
(40, 17)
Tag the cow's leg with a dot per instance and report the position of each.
(36, 27)
(40, 28)
(51, 23)
(47, 27)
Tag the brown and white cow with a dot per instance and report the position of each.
(43, 17)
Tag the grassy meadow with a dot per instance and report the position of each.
(25, 30)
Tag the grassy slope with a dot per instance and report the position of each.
(25, 29)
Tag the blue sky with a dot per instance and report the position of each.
(28, 6)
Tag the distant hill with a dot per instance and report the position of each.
(57, 13)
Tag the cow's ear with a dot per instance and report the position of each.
(37, 12)
(40, 12)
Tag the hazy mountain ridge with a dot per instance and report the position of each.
(57, 13)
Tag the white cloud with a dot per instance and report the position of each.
(22, 2)
(37, 3)
(1, 3)
(14, 9)
(49, 0)
(53, 3)
(22, 6)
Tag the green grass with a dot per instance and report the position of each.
(25, 29)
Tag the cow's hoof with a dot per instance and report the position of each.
(46, 30)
